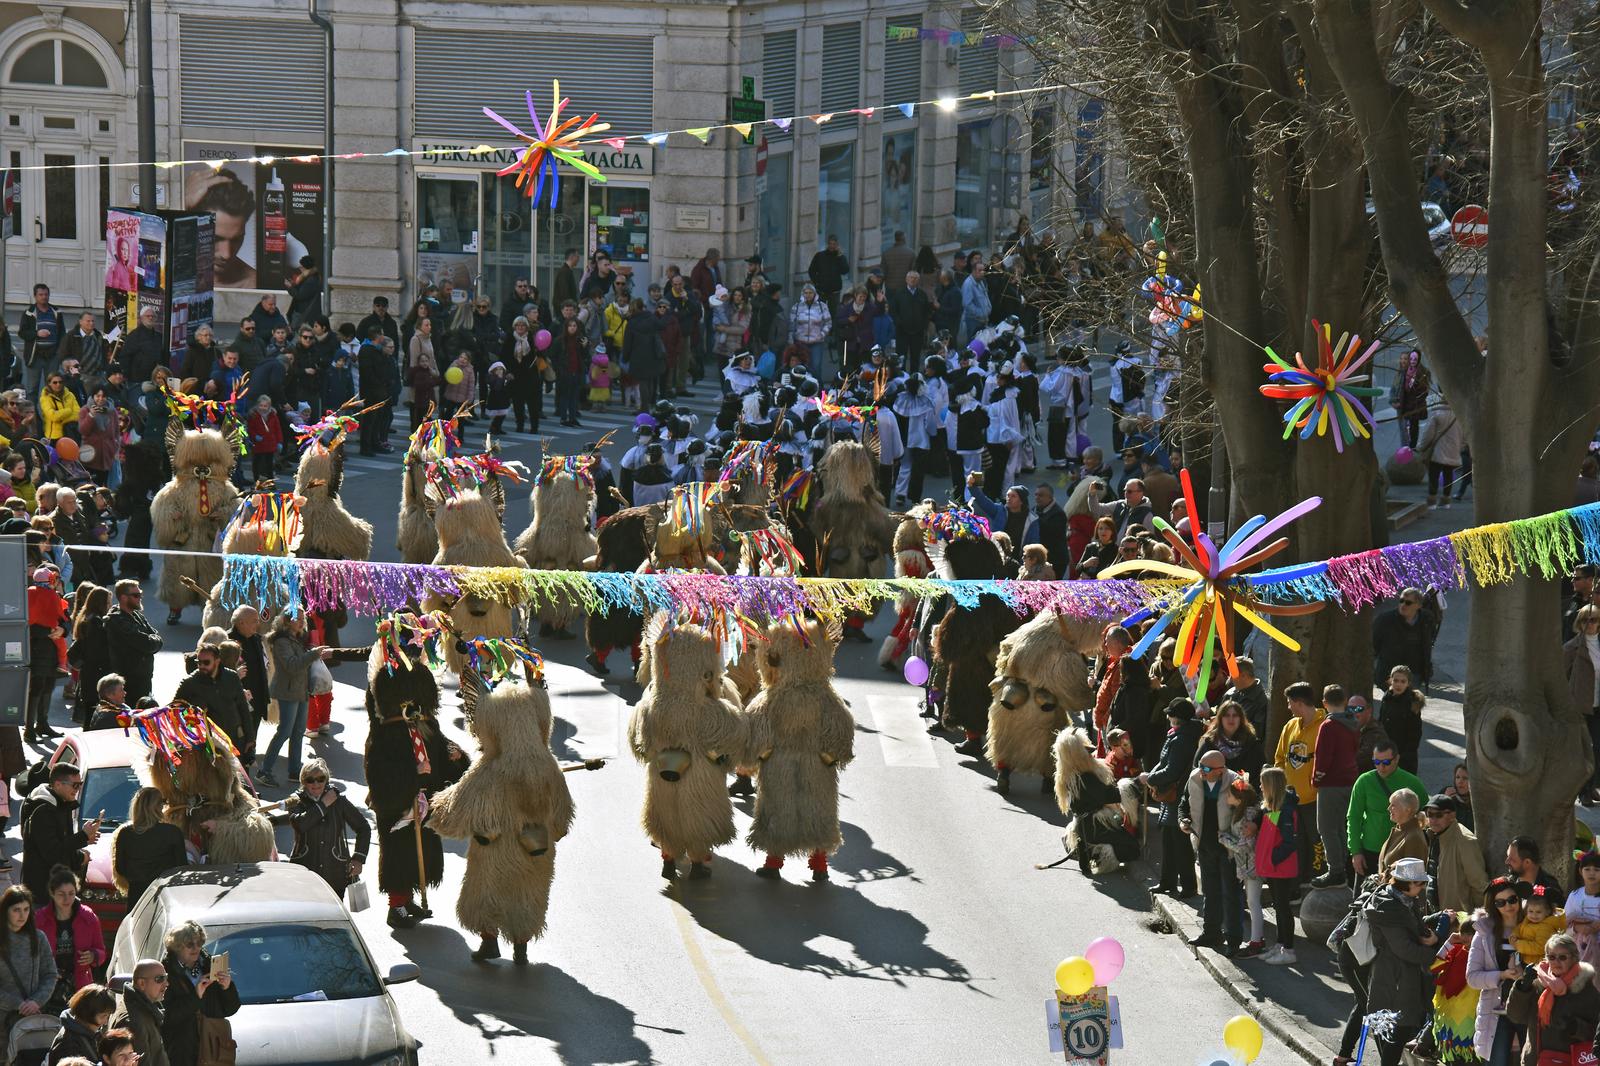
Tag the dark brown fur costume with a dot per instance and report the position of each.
(967, 641)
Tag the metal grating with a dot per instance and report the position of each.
(285, 94)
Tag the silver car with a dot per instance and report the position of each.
(309, 993)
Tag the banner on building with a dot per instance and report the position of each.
(268, 202)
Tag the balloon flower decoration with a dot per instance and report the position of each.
(1219, 588)
(554, 140)
(1328, 396)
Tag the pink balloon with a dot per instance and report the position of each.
(541, 340)
(916, 672)
(1105, 955)
(1403, 455)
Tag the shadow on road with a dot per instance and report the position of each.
(587, 1029)
(857, 856)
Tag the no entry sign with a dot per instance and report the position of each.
(1470, 226)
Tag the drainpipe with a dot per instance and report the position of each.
(147, 111)
(327, 156)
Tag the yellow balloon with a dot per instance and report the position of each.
(1242, 1034)
(454, 375)
(1075, 976)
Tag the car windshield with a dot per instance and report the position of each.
(295, 963)
(109, 789)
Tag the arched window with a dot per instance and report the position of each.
(59, 62)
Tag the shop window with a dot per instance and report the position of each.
(899, 194)
(973, 164)
(621, 219)
(836, 209)
(776, 211)
(447, 231)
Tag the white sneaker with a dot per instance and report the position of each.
(1282, 956)
(1271, 954)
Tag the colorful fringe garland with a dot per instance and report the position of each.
(493, 659)
(954, 524)
(175, 730)
(1540, 547)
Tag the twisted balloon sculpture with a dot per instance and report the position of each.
(1328, 396)
(553, 140)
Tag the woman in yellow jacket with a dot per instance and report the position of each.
(57, 407)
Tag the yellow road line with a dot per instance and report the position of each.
(702, 970)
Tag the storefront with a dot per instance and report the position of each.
(482, 232)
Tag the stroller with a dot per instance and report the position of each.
(31, 1038)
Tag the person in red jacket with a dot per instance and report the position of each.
(72, 930)
(266, 438)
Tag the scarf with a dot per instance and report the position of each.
(1413, 363)
(1553, 986)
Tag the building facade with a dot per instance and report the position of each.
(236, 80)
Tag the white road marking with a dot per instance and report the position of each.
(902, 732)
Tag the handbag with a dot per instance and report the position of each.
(217, 1046)
(358, 898)
(319, 679)
(1360, 941)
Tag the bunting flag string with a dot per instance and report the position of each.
(960, 38)
(701, 134)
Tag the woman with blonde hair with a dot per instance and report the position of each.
(145, 846)
(192, 990)
(89, 654)
(1081, 521)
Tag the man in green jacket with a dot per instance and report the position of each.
(1367, 820)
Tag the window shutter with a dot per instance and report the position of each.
(841, 73)
(283, 94)
(980, 66)
(777, 80)
(902, 64)
(459, 72)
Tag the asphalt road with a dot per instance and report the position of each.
(937, 938)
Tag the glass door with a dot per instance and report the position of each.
(448, 232)
(559, 229)
(507, 237)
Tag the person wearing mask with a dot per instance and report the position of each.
(1296, 757)
(50, 833)
(1205, 815)
(292, 656)
(141, 1013)
(73, 932)
(88, 1013)
(145, 846)
(1400, 980)
(40, 332)
(1371, 809)
(1522, 862)
(131, 641)
(220, 694)
(1167, 781)
(29, 975)
(192, 991)
(1454, 858)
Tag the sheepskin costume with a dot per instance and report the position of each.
(402, 714)
(1104, 812)
(1041, 675)
(512, 806)
(686, 733)
(801, 736)
(245, 536)
(622, 546)
(328, 531)
(853, 530)
(910, 560)
(192, 509)
(967, 641)
(415, 538)
(560, 537)
(203, 789)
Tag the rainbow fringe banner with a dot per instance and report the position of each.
(1544, 547)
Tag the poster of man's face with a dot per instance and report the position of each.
(268, 214)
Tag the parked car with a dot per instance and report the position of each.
(1433, 217)
(310, 994)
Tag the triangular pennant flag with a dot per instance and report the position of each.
(822, 119)
(615, 142)
(783, 123)
(655, 139)
(703, 133)
(987, 94)
(743, 128)
(907, 109)
(867, 111)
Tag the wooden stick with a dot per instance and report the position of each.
(587, 764)
(422, 866)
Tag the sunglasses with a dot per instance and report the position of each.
(1561, 957)
(1507, 901)
(315, 781)
(1382, 762)
(1411, 603)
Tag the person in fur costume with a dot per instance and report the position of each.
(1041, 676)
(561, 535)
(801, 736)
(512, 806)
(910, 560)
(328, 530)
(1104, 812)
(622, 546)
(253, 530)
(968, 641)
(853, 530)
(686, 733)
(205, 796)
(405, 756)
(191, 510)
(470, 535)
(415, 537)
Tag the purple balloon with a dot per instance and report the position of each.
(1403, 455)
(916, 672)
(978, 348)
(541, 340)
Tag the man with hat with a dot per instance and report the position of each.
(1454, 859)
(1166, 780)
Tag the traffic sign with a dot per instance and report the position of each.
(761, 156)
(10, 190)
(1470, 226)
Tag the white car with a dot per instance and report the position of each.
(308, 990)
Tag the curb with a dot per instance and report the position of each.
(1273, 1018)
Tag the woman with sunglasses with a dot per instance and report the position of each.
(319, 813)
(1568, 1005)
(1492, 966)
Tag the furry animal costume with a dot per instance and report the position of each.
(402, 712)
(853, 530)
(328, 531)
(967, 641)
(1041, 674)
(191, 509)
(686, 732)
(513, 806)
(415, 537)
(622, 546)
(1104, 812)
(244, 536)
(200, 790)
(801, 736)
(910, 560)
(560, 537)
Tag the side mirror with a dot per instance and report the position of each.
(120, 983)
(401, 972)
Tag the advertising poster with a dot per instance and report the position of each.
(191, 304)
(268, 215)
(135, 267)
(899, 187)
